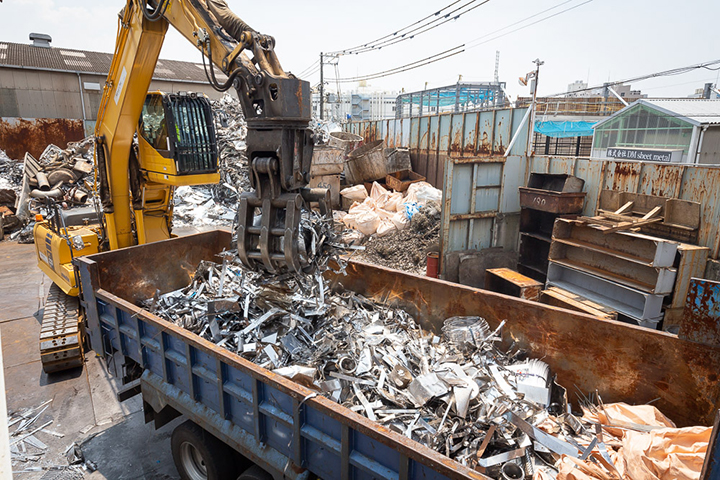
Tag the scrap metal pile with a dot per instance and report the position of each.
(28, 453)
(63, 175)
(455, 391)
(217, 204)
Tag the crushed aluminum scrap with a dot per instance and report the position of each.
(28, 452)
(456, 393)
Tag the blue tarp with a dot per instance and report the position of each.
(565, 129)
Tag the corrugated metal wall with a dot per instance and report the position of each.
(42, 107)
(435, 139)
(463, 154)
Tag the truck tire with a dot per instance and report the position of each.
(255, 473)
(200, 456)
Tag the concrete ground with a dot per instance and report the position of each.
(83, 403)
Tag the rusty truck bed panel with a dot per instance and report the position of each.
(623, 362)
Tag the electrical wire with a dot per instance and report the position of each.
(528, 25)
(368, 46)
(410, 66)
(304, 72)
(432, 59)
(664, 73)
(447, 17)
(313, 72)
(520, 21)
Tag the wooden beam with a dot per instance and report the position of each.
(624, 207)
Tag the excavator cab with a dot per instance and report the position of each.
(176, 139)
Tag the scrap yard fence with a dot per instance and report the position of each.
(466, 155)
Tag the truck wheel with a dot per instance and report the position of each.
(200, 456)
(255, 473)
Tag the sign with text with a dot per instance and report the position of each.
(645, 155)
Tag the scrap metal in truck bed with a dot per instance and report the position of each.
(288, 431)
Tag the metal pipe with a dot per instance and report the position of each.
(54, 193)
(43, 183)
(696, 158)
(511, 471)
(82, 99)
(322, 87)
(612, 90)
(80, 196)
(517, 132)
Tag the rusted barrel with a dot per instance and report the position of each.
(345, 140)
(366, 163)
(431, 268)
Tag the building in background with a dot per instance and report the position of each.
(52, 95)
(664, 130)
(363, 103)
(709, 91)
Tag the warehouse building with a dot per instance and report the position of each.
(661, 130)
(51, 95)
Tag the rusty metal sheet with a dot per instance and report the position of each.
(414, 133)
(456, 134)
(434, 134)
(502, 131)
(381, 127)
(20, 135)
(591, 172)
(701, 318)
(623, 176)
(564, 165)
(424, 135)
(485, 134)
(702, 184)
(470, 134)
(405, 129)
(622, 367)
(661, 180)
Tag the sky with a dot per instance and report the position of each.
(594, 40)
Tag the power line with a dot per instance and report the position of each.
(529, 24)
(303, 72)
(520, 21)
(404, 37)
(664, 73)
(410, 66)
(395, 34)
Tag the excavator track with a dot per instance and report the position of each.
(60, 341)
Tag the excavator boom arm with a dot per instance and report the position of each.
(276, 107)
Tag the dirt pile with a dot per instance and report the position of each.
(407, 249)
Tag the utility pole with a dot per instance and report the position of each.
(531, 126)
(322, 88)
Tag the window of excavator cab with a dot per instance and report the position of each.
(153, 126)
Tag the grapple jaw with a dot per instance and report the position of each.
(272, 240)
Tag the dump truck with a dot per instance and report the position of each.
(242, 419)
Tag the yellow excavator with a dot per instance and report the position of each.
(175, 145)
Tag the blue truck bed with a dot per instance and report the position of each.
(288, 431)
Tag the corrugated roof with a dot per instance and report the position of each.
(696, 111)
(19, 55)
